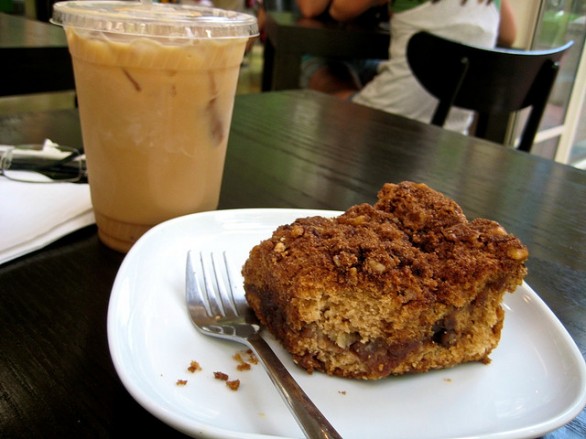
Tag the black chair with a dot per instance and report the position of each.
(491, 82)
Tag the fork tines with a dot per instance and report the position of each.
(216, 285)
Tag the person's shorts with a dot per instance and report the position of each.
(363, 69)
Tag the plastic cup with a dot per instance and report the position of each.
(155, 86)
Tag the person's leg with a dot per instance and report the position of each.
(335, 79)
(329, 76)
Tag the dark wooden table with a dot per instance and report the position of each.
(35, 57)
(287, 149)
(290, 36)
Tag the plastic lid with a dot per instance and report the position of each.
(154, 19)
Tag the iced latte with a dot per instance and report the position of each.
(155, 113)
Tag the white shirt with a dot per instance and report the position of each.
(395, 89)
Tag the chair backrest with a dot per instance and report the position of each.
(488, 81)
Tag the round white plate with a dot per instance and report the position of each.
(535, 383)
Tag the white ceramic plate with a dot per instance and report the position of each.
(535, 383)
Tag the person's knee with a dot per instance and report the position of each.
(333, 79)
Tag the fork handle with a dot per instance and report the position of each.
(310, 419)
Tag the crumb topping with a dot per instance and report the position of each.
(391, 274)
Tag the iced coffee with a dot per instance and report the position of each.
(155, 102)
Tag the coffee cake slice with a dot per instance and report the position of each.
(405, 285)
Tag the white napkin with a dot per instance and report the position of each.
(33, 215)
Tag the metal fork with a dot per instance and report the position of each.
(216, 311)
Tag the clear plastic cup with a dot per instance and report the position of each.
(155, 86)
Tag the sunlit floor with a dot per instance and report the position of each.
(580, 152)
(250, 77)
(36, 102)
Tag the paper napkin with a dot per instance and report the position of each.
(33, 215)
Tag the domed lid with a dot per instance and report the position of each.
(154, 19)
